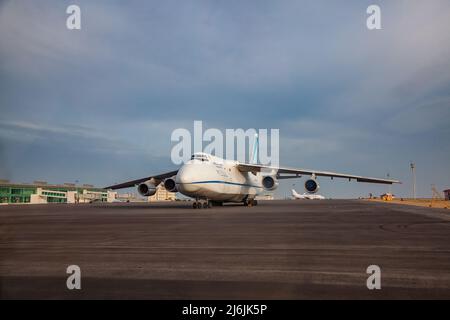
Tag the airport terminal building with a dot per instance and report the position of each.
(162, 195)
(42, 192)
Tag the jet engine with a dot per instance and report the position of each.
(270, 183)
(146, 188)
(170, 185)
(311, 186)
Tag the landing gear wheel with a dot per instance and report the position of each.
(205, 205)
(194, 205)
(255, 202)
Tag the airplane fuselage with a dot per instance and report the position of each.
(216, 179)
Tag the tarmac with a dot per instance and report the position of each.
(277, 250)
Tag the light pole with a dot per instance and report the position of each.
(413, 170)
(390, 185)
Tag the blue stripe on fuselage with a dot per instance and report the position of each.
(224, 182)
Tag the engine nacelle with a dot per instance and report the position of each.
(270, 183)
(170, 185)
(311, 185)
(146, 188)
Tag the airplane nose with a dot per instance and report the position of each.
(185, 175)
(185, 178)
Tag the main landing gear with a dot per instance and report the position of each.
(204, 204)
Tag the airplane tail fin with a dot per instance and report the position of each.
(254, 159)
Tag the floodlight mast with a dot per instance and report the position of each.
(413, 170)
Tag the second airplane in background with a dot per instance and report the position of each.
(307, 196)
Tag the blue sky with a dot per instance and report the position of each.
(98, 105)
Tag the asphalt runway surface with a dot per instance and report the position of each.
(276, 250)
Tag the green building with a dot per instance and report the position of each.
(41, 192)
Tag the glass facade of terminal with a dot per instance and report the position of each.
(53, 194)
(15, 194)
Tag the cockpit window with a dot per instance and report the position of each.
(200, 157)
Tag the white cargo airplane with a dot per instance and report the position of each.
(307, 196)
(212, 181)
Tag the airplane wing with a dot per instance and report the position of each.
(132, 183)
(296, 173)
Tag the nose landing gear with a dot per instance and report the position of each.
(250, 202)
